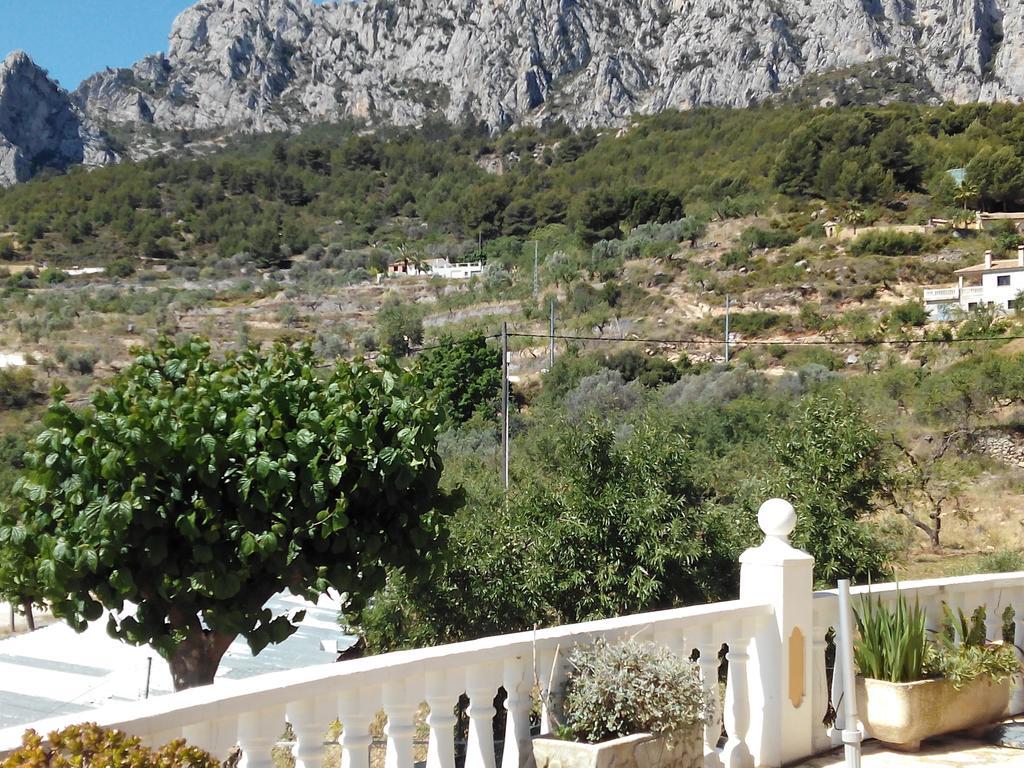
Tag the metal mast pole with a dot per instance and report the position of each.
(727, 328)
(536, 264)
(551, 338)
(504, 401)
(844, 658)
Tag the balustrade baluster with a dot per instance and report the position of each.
(516, 679)
(550, 671)
(442, 696)
(820, 739)
(258, 732)
(309, 719)
(838, 692)
(481, 688)
(400, 703)
(356, 709)
(994, 606)
(1017, 700)
(709, 666)
(737, 702)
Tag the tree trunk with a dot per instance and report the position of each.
(30, 620)
(13, 626)
(196, 660)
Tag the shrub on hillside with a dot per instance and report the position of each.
(755, 237)
(17, 388)
(719, 385)
(887, 242)
(603, 393)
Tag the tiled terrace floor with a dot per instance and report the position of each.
(947, 752)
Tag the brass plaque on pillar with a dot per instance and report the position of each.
(796, 667)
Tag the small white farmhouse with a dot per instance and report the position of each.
(995, 283)
(436, 267)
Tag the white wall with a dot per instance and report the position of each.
(1000, 295)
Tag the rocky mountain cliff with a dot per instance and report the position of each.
(271, 64)
(40, 127)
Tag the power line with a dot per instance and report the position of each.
(788, 343)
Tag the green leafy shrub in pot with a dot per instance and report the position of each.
(616, 690)
(894, 645)
(893, 641)
(973, 657)
(90, 746)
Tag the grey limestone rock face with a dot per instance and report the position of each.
(257, 65)
(39, 125)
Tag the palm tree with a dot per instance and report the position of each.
(965, 193)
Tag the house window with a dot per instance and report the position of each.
(1002, 280)
(971, 306)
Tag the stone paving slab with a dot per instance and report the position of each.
(956, 751)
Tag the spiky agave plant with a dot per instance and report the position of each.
(893, 640)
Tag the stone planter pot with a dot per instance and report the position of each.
(683, 749)
(901, 714)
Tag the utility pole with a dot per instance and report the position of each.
(551, 337)
(727, 305)
(504, 401)
(536, 264)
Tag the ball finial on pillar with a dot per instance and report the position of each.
(777, 519)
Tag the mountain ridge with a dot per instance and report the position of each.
(263, 65)
(276, 65)
(40, 127)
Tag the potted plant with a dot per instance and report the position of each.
(913, 686)
(631, 705)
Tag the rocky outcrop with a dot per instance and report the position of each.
(273, 64)
(1007, 447)
(40, 127)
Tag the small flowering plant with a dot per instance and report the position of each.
(616, 690)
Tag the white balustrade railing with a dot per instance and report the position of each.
(941, 294)
(252, 713)
(772, 712)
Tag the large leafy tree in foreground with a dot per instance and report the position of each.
(193, 489)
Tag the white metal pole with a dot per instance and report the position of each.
(504, 401)
(852, 736)
(536, 267)
(551, 338)
(727, 328)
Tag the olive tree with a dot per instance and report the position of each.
(192, 489)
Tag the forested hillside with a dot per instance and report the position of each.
(275, 197)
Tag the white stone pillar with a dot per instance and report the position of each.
(258, 732)
(309, 719)
(820, 739)
(994, 608)
(709, 664)
(781, 665)
(442, 696)
(517, 752)
(400, 706)
(356, 713)
(740, 705)
(481, 687)
(1017, 700)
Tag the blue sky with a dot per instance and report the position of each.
(72, 39)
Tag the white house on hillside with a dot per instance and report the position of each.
(994, 283)
(436, 267)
